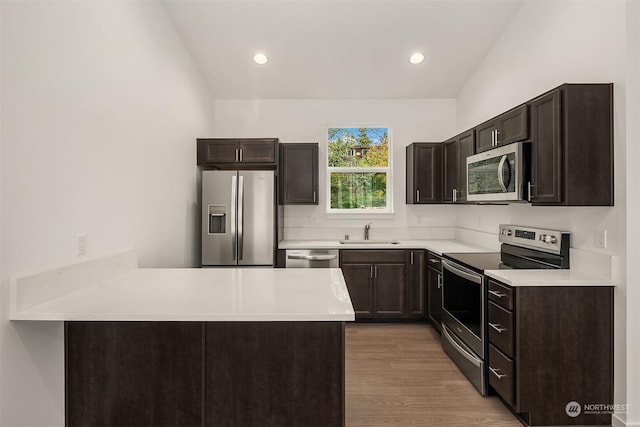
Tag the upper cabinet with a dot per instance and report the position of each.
(236, 152)
(298, 174)
(506, 128)
(424, 173)
(572, 146)
(454, 160)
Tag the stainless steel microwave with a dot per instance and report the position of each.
(499, 174)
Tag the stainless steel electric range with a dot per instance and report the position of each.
(465, 295)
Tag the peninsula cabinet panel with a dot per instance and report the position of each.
(572, 146)
(298, 174)
(274, 374)
(423, 174)
(416, 284)
(133, 373)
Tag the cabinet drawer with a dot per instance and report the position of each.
(501, 294)
(501, 374)
(434, 261)
(501, 328)
(372, 256)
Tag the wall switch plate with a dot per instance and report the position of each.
(82, 244)
(601, 238)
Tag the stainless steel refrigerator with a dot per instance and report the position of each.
(238, 218)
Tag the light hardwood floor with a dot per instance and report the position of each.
(398, 375)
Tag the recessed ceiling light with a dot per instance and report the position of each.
(416, 58)
(260, 58)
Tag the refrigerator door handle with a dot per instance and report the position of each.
(240, 217)
(234, 198)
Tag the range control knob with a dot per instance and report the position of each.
(548, 238)
(507, 232)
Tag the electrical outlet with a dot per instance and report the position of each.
(601, 238)
(82, 244)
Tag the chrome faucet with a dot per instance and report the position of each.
(366, 231)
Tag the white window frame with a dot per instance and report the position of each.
(368, 212)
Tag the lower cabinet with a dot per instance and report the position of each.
(385, 284)
(549, 346)
(167, 374)
(434, 289)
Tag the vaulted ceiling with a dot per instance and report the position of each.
(339, 49)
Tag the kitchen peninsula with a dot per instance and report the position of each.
(195, 346)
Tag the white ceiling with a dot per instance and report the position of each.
(339, 48)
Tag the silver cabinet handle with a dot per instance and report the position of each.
(493, 138)
(375, 270)
(314, 196)
(455, 195)
(497, 294)
(497, 327)
(439, 281)
(411, 257)
(237, 154)
(313, 257)
(417, 195)
(497, 137)
(529, 186)
(494, 371)
(371, 271)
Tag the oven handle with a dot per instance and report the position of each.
(462, 272)
(467, 355)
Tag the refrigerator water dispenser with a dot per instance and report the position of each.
(217, 219)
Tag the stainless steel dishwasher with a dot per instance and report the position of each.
(312, 258)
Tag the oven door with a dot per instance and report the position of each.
(463, 305)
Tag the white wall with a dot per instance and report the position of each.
(633, 211)
(297, 120)
(101, 105)
(546, 44)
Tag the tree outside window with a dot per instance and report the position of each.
(358, 169)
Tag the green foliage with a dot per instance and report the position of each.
(356, 190)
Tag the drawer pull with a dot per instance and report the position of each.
(497, 294)
(495, 372)
(497, 327)
(433, 260)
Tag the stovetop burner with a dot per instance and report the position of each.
(522, 248)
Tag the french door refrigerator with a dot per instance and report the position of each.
(238, 218)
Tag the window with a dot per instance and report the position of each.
(358, 170)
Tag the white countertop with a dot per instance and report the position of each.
(436, 246)
(569, 277)
(203, 294)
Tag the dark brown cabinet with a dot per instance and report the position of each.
(250, 151)
(434, 289)
(454, 176)
(548, 346)
(376, 280)
(572, 146)
(298, 174)
(416, 284)
(424, 173)
(506, 128)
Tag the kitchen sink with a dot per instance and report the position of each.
(369, 242)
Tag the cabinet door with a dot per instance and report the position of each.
(390, 290)
(485, 136)
(427, 182)
(258, 151)
(214, 151)
(299, 174)
(124, 373)
(513, 125)
(546, 149)
(465, 149)
(415, 284)
(359, 280)
(450, 172)
(434, 286)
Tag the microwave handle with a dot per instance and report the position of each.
(503, 160)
